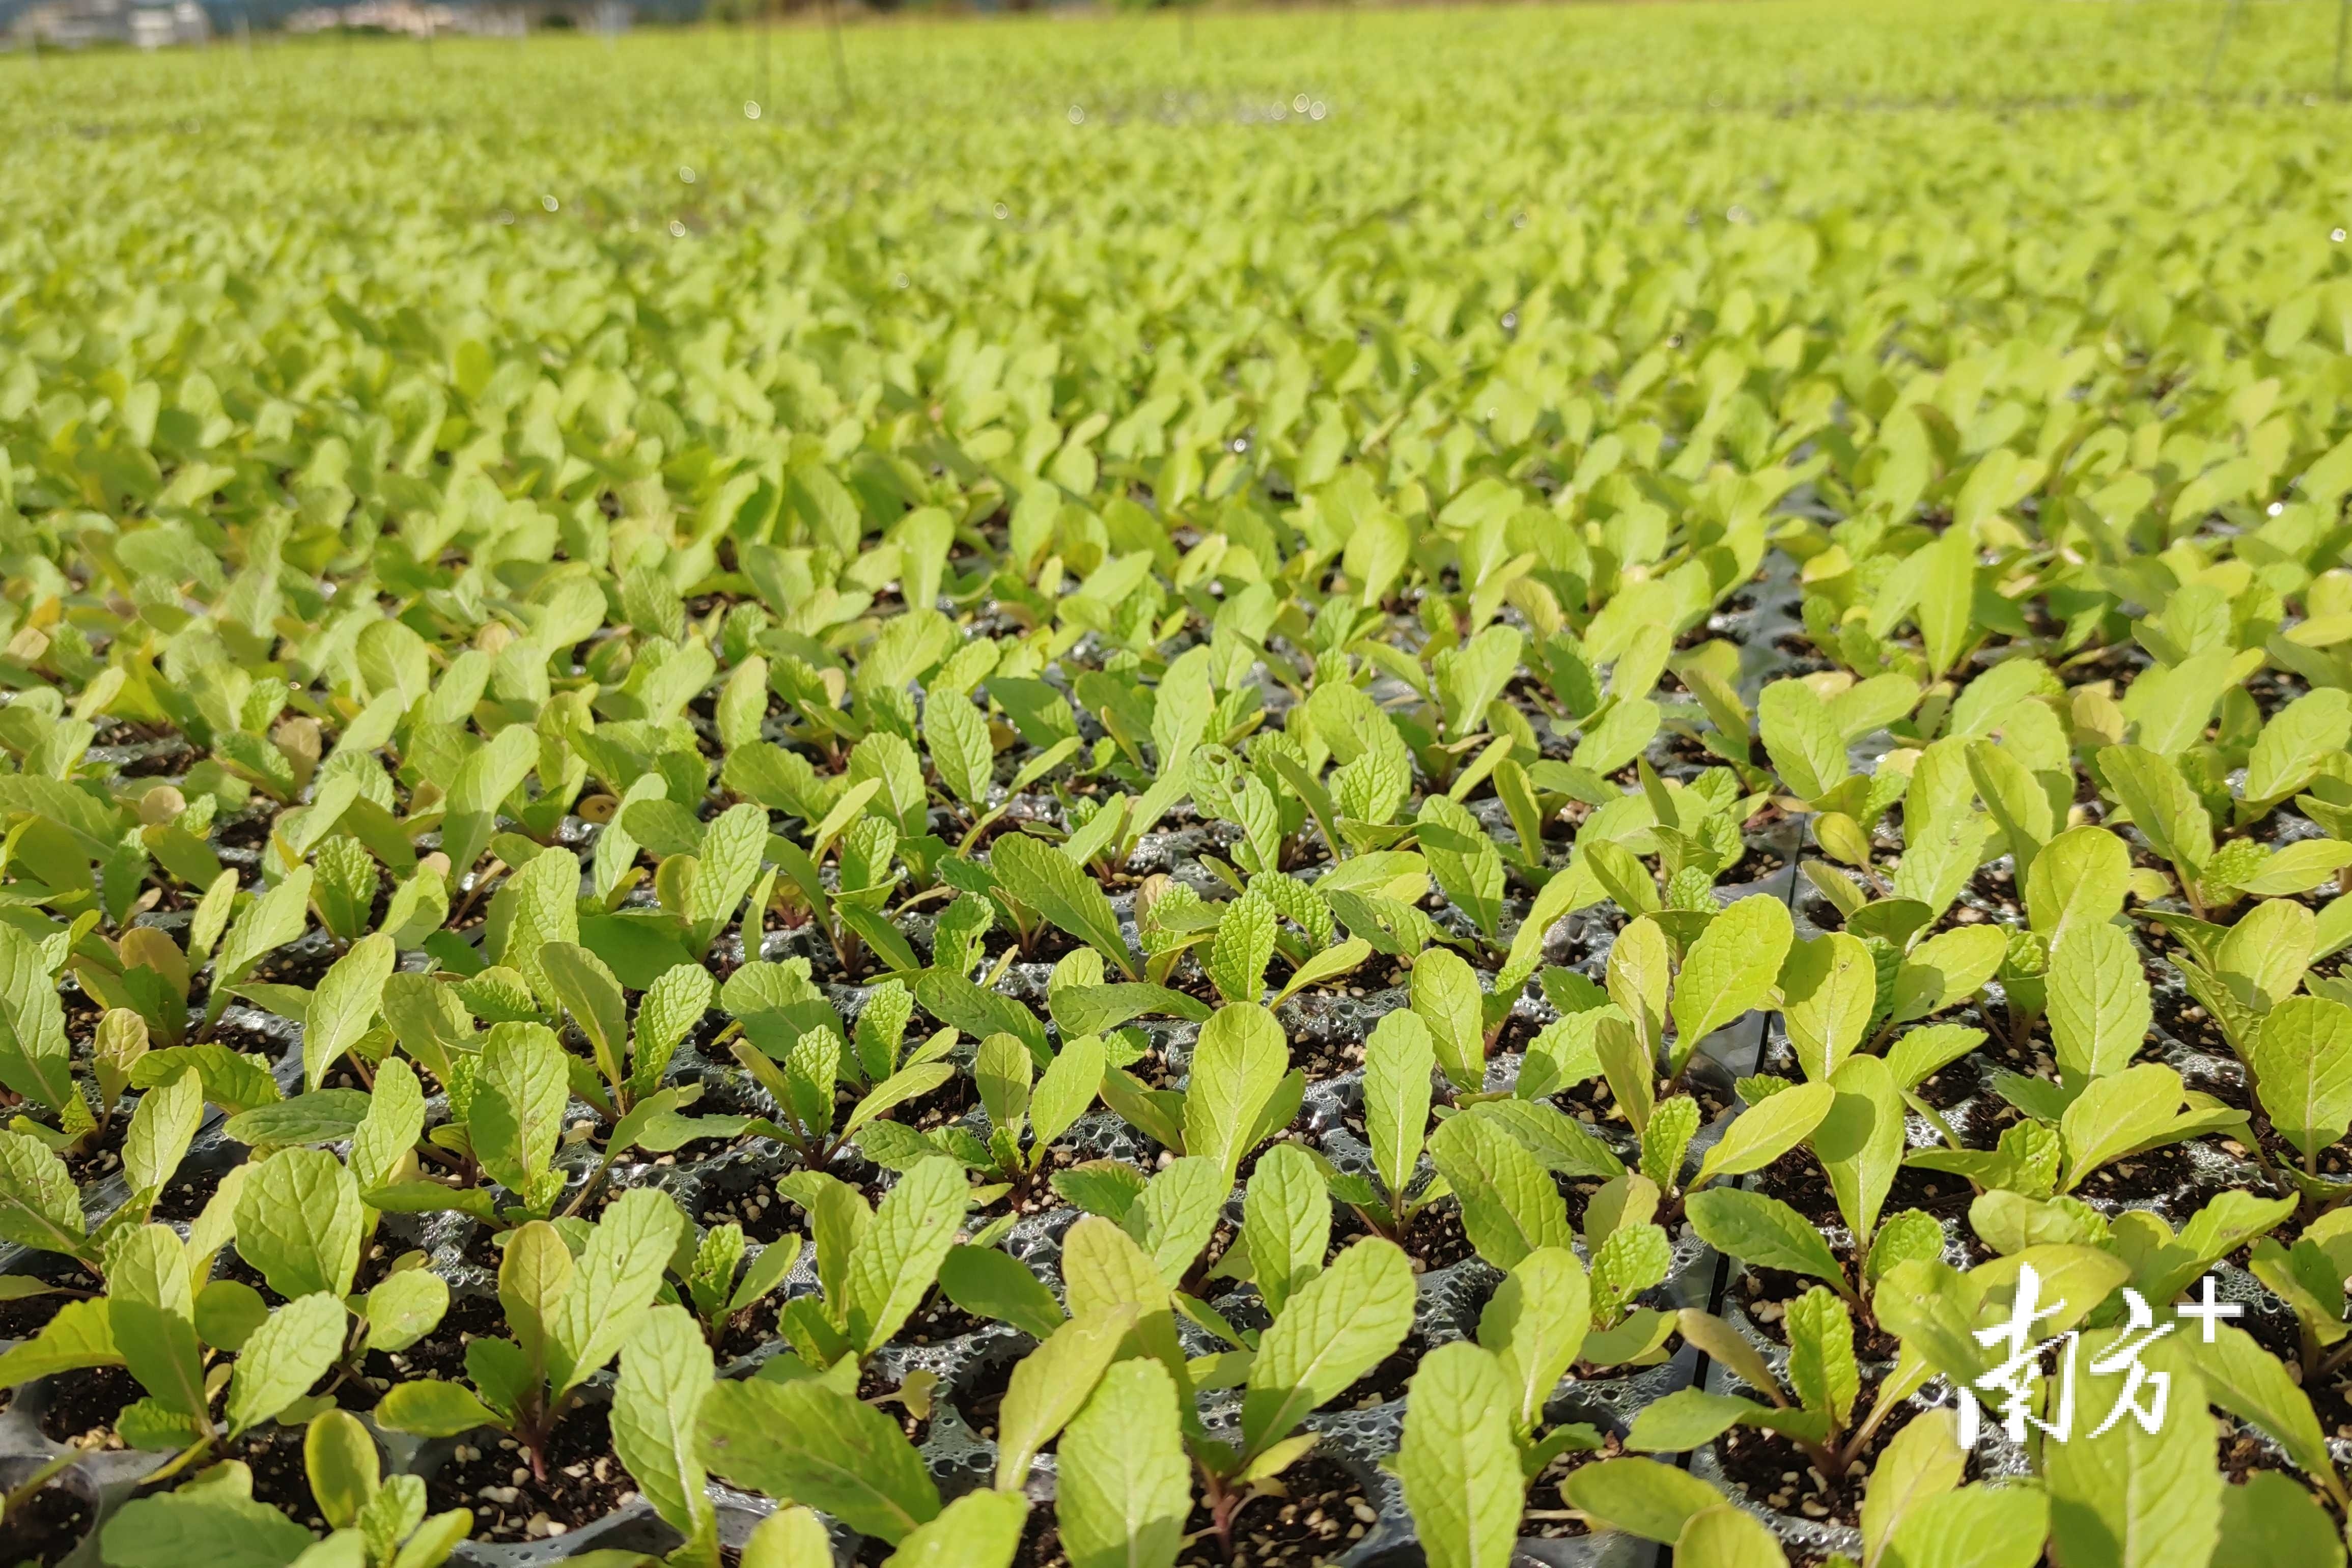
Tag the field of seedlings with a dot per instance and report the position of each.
(1452, 787)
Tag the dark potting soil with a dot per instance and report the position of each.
(492, 1477)
(1545, 1497)
(29, 1315)
(182, 1201)
(1316, 1514)
(1775, 1473)
(1764, 1295)
(873, 1387)
(48, 1527)
(1319, 1513)
(1386, 1381)
(442, 1354)
(937, 1321)
(274, 1455)
(981, 1397)
(102, 1156)
(85, 1403)
(1436, 1239)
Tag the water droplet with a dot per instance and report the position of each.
(1077, 115)
(1002, 211)
(750, 109)
(676, 229)
(684, 175)
(1299, 103)
(550, 203)
(2336, 235)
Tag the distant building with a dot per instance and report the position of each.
(183, 23)
(74, 24)
(496, 19)
(80, 23)
(405, 16)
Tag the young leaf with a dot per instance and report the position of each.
(619, 1273)
(1921, 1462)
(1822, 1369)
(666, 1371)
(589, 993)
(1466, 862)
(1174, 1216)
(344, 1004)
(1860, 1141)
(1510, 1204)
(1341, 1325)
(340, 1459)
(1763, 1231)
(431, 1407)
(1457, 1448)
(483, 783)
(1640, 1497)
(2162, 806)
(2098, 1002)
(1830, 986)
(1237, 1065)
(2250, 1383)
(1058, 889)
(1674, 1122)
(207, 1527)
(732, 846)
(299, 1221)
(1050, 1383)
(517, 1115)
(1399, 1058)
(403, 1309)
(1639, 971)
(1124, 1487)
(979, 1530)
(262, 927)
(809, 1442)
(283, 1357)
(2129, 1499)
(2266, 1522)
(40, 1207)
(2303, 1071)
(1727, 1536)
(895, 1260)
(80, 1335)
(789, 1538)
(1762, 1134)
(2080, 879)
(1446, 997)
(160, 1129)
(1243, 947)
(1628, 1067)
(1729, 970)
(1002, 1071)
(1807, 748)
(957, 736)
(1535, 1323)
(992, 1284)
(1946, 970)
(1066, 1089)
(393, 1122)
(1286, 1223)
